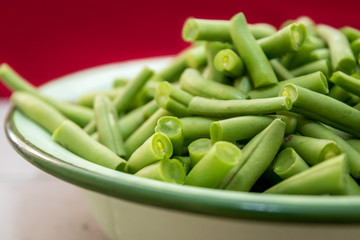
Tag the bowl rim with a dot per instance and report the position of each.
(214, 202)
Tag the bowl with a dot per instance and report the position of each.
(130, 207)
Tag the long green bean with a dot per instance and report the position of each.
(314, 81)
(73, 138)
(342, 58)
(231, 108)
(192, 82)
(251, 53)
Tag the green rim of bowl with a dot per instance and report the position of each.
(255, 206)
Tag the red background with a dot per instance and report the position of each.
(45, 39)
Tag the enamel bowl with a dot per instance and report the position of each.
(129, 207)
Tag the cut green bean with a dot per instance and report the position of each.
(351, 187)
(243, 84)
(251, 53)
(314, 81)
(339, 93)
(197, 57)
(317, 130)
(38, 110)
(107, 125)
(350, 33)
(133, 120)
(87, 99)
(172, 127)
(192, 82)
(231, 108)
(126, 96)
(300, 57)
(120, 82)
(219, 30)
(166, 89)
(342, 58)
(355, 47)
(73, 138)
(137, 138)
(319, 54)
(312, 150)
(354, 143)
(323, 108)
(346, 82)
(245, 127)
(196, 127)
(256, 158)
(214, 166)
(79, 114)
(155, 148)
(288, 163)
(229, 63)
(321, 65)
(327, 177)
(281, 72)
(198, 149)
(185, 161)
(212, 49)
(289, 38)
(166, 170)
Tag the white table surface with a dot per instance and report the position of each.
(35, 205)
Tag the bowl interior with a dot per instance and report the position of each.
(37, 147)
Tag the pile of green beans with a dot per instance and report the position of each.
(246, 107)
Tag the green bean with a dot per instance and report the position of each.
(316, 130)
(314, 81)
(288, 163)
(133, 120)
(257, 156)
(342, 58)
(87, 99)
(300, 57)
(281, 72)
(107, 125)
(79, 114)
(355, 47)
(351, 186)
(126, 96)
(354, 143)
(229, 63)
(172, 127)
(192, 82)
(323, 108)
(38, 110)
(120, 82)
(319, 54)
(214, 166)
(320, 65)
(73, 138)
(312, 150)
(327, 177)
(243, 84)
(144, 131)
(155, 148)
(212, 49)
(166, 170)
(251, 53)
(197, 57)
(346, 82)
(196, 127)
(198, 149)
(308, 22)
(171, 105)
(185, 161)
(289, 38)
(231, 108)
(339, 93)
(350, 33)
(166, 89)
(246, 127)
(219, 30)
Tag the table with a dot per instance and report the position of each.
(35, 205)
